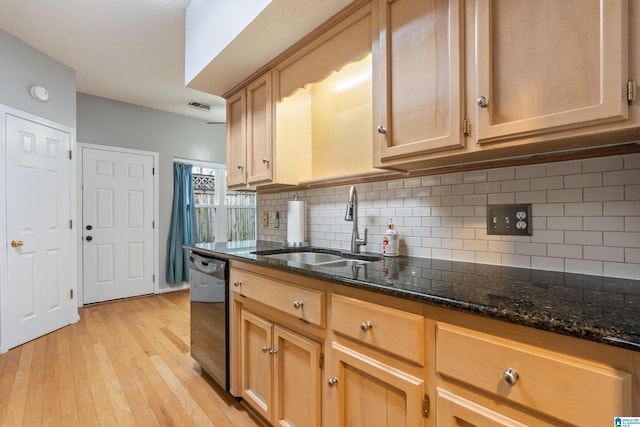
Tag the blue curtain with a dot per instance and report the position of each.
(184, 224)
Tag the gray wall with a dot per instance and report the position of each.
(106, 122)
(23, 67)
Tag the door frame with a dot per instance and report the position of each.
(156, 194)
(73, 249)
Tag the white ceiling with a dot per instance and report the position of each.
(127, 50)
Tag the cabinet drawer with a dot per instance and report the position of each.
(303, 303)
(385, 328)
(571, 389)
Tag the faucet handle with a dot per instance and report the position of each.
(363, 242)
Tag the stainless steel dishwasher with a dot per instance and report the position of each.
(209, 279)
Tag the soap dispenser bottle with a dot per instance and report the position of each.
(391, 241)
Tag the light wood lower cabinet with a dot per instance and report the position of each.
(280, 372)
(455, 411)
(367, 392)
(392, 362)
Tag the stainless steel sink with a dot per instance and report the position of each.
(318, 259)
(311, 258)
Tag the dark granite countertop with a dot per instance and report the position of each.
(595, 308)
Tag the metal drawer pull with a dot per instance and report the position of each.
(332, 381)
(366, 325)
(237, 283)
(266, 348)
(511, 376)
(273, 351)
(298, 304)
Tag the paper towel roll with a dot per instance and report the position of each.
(296, 221)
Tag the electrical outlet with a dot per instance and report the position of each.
(512, 220)
(265, 219)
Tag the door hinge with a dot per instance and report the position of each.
(466, 126)
(631, 91)
(70, 293)
(321, 361)
(426, 406)
(70, 155)
(153, 171)
(153, 224)
(153, 278)
(71, 224)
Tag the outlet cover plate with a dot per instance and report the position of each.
(509, 220)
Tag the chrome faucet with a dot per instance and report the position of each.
(352, 215)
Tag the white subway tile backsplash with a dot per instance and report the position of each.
(623, 177)
(602, 164)
(586, 215)
(600, 253)
(603, 193)
(626, 271)
(632, 192)
(516, 185)
(531, 171)
(583, 237)
(570, 195)
(626, 208)
(583, 180)
(564, 168)
(585, 267)
(583, 209)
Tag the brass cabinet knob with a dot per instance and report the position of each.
(16, 243)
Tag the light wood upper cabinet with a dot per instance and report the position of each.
(418, 77)
(236, 140)
(544, 64)
(250, 159)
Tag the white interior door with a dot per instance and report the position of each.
(38, 231)
(118, 224)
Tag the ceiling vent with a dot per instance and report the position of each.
(199, 105)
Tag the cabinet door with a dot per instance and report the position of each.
(418, 89)
(259, 130)
(366, 392)
(236, 140)
(455, 411)
(546, 65)
(256, 356)
(297, 380)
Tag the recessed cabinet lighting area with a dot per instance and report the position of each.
(325, 127)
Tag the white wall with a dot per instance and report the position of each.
(107, 122)
(586, 215)
(23, 67)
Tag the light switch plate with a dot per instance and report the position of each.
(509, 220)
(265, 219)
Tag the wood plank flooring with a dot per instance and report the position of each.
(125, 363)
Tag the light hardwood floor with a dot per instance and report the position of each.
(124, 363)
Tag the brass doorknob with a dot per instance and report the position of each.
(16, 243)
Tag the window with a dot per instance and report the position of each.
(222, 215)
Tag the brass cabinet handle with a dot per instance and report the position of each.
(16, 243)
